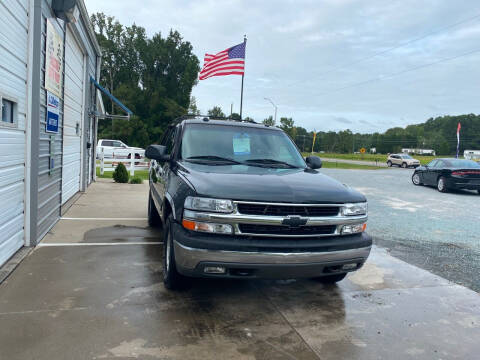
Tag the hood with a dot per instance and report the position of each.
(252, 183)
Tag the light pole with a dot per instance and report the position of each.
(275, 106)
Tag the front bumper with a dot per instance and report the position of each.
(270, 261)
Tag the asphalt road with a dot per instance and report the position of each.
(436, 231)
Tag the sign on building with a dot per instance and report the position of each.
(54, 60)
(53, 112)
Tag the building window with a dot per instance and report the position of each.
(8, 113)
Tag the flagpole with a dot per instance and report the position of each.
(241, 94)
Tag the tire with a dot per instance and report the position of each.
(416, 179)
(478, 191)
(171, 277)
(331, 279)
(154, 219)
(389, 163)
(442, 184)
(404, 165)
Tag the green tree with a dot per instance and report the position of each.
(287, 125)
(235, 116)
(216, 111)
(269, 121)
(192, 108)
(153, 77)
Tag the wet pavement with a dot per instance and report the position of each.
(436, 231)
(100, 296)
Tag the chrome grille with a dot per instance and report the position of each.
(285, 210)
(286, 230)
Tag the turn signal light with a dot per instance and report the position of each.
(353, 229)
(207, 227)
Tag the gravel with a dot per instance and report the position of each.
(439, 232)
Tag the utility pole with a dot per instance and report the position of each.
(275, 106)
(231, 110)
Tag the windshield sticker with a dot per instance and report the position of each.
(241, 144)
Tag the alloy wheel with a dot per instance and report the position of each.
(441, 185)
(416, 179)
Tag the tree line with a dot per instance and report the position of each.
(154, 77)
(437, 133)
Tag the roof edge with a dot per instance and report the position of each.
(91, 32)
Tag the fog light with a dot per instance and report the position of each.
(207, 227)
(349, 266)
(353, 229)
(214, 270)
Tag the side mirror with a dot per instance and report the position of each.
(314, 162)
(157, 152)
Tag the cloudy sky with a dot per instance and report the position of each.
(329, 64)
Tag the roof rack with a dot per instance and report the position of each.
(208, 118)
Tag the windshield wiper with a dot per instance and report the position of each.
(271, 162)
(213, 158)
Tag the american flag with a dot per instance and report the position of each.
(226, 62)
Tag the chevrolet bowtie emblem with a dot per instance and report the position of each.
(294, 221)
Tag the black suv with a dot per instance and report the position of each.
(236, 199)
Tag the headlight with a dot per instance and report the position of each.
(354, 209)
(207, 227)
(208, 204)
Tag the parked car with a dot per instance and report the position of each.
(120, 149)
(448, 174)
(237, 200)
(403, 160)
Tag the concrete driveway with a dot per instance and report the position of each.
(93, 290)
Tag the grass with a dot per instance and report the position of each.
(370, 157)
(337, 165)
(143, 174)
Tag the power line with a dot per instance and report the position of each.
(392, 48)
(398, 73)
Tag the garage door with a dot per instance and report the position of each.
(13, 108)
(73, 110)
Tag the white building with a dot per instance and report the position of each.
(49, 61)
(419, 151)
(472, 155)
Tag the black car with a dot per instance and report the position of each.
(449, 174)
(237, 200)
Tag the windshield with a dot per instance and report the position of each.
(239, 143)
(466, 164)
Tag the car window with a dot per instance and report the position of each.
(240, 143)
(107, 143)
(170, 141)
(439, 164)
(460, 163)
(117, 143)
(432, 163)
